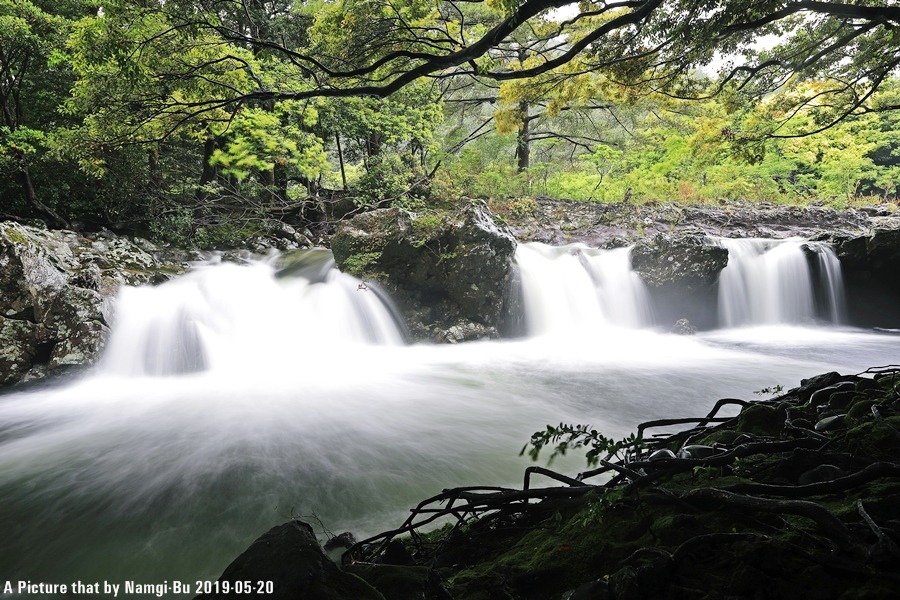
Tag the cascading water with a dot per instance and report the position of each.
(576, 289)
(222, 316)
(297, 398)
(772, 282)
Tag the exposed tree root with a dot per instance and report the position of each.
(784, 473)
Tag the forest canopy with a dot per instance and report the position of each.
(174, 117)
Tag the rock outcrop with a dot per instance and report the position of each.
(681, 270)
(870, 263)
(55, 290)
(449, 274)
(561, 222)
(287, 563)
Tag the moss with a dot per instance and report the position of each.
(760, 419)
(14, 236)
(724, 436)
(426, 227)
(878, 439)
(360, 264)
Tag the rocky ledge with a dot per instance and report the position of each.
(559, 222)
(55, 294)
(794, 497)
(449, 273)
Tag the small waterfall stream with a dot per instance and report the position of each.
(773, 282)
(222, 317)
(572, 289)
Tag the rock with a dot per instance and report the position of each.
(55, 293)
(450, 274)
(289, 556)
(683, 327)
(340, 542)
(20, 341)
(681, 272)
(696, 451)
(831, 423)
(869, 262)
(687, 260)
(662, 454)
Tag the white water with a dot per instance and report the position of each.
(770, 282)
(233, 318)
(142, 471)
(578, 290)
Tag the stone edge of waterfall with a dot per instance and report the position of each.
(56, 286)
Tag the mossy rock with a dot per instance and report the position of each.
(877, 438)
(401, 582)
(723, 436)
(761, 419)
(450, 274)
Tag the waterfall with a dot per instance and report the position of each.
(227, 316)
(572, 289)
(775, 282)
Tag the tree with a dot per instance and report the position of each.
(31, 83)
(375, 47)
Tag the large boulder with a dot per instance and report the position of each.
(287, 563)
(682, 272)
(55, 295)
(450, 274)
(870, 263)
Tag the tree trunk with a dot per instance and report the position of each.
(208, 174)
(340, 153)
(154, 179)
(523, 140)
(32, 197)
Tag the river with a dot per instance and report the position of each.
(231, 400)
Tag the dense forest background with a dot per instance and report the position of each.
(201, 122)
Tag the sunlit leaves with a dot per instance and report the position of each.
(258, 140)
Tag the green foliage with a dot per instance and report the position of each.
(388, 178)
(565, 437)
(260, 139)
(696, 153)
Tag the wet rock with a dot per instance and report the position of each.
(289, 556)
(662, 454)
(683, 327)
(450, 274)
(870, 261)
(696, 451)
(809, 386)
(55, 291)
(687, 260)
(681, 272)
(830, 423)
(340, 542)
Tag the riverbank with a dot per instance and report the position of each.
(792, 497)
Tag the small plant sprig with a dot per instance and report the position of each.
(565, 437)
(770, 391)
